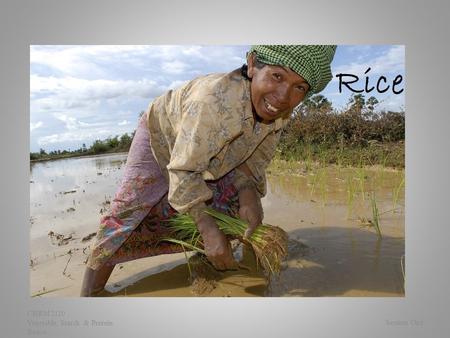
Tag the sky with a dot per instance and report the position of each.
(82, 93)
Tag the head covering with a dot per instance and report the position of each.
(312, 62)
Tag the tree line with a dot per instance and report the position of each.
(110, 145)
(316, 121)
(357, 133)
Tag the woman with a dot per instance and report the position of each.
(207, 143)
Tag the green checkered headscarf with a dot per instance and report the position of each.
(312, 62)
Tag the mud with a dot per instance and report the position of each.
(333, 248)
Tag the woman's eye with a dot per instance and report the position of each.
(301, 88)
(276, 76)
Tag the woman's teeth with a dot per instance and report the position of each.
(270, 107)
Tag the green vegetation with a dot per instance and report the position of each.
(269, 243)
(361, 175)
(355, 135)
(375, 214)
(110, 145)
(350, 194)
(396, 193)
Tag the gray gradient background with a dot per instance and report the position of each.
(421, 25)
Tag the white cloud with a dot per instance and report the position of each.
(84, 124)
(36, 125)
(71, 136)
(393, 61)
(48, 139)
(93, 61)
(71, 122)
(174, 67)
(81, 61)
(78, 136)
(194, 51)
(123, 123)
(97, 61)
(68, 61)
(176, 84)
(71, 92)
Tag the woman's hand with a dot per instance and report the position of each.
(217, 247)
(250, 209)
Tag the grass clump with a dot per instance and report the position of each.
(268, 242)
(396, 193)
(375, 214)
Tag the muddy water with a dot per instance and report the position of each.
(333, 249)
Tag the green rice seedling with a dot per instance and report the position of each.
(340, 161)
(292, 165)
(323, 156)
(375, 214)
(396, 192)
(402, 265)
(361, 174)
(383, 167)
(313, 184)
(268, 242)
(187, 261)
(340, 153)
(350, 194)
(322, 184)
(308, 158)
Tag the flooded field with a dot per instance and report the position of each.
(329, 213)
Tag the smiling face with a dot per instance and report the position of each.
(275, 90)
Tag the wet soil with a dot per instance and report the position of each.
(334, 249)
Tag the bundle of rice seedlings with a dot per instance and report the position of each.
(268, 242)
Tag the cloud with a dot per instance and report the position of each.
(71, 136)
(84, 61)
(71, 92)
(104, 122)
(92, 62)
(174, 67)
(36, 125)
(123, 123)
(67, 61)
(392, 61)
(78, 135)
(176, 84)
(195, 51)
(70, 122)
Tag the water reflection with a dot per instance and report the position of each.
(81, 183)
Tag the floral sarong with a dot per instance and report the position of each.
(136, 222)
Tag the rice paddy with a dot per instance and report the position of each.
(321, 207)
(361, 186)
